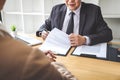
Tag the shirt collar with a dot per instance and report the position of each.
(77, 11)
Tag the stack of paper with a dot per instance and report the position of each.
(99, 50)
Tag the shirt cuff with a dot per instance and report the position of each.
(87, 40)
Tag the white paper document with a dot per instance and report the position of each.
(99, 50)
(57, 41)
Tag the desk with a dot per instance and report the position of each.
(90, 69)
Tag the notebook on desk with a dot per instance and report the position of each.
(28, 40)
(98, 50)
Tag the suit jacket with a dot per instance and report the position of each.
(21, 62)
(91, 22)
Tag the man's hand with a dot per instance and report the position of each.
(77, 40)
(50, 55)
(44, 34)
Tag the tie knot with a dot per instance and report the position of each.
(72, 13)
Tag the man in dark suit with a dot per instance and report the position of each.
(89, 25)
(21, 62)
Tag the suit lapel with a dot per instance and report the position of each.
(62, 16)
(82, 18)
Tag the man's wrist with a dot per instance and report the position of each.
(87, 41)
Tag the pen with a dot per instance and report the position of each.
(46, 30)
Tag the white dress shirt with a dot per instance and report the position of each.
(76, 22)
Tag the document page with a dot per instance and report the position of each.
(57, 41)
(99, 50)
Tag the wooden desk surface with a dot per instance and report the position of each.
(90, 69)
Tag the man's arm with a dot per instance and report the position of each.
(47, 25)
(44, 27)
(103, 32)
